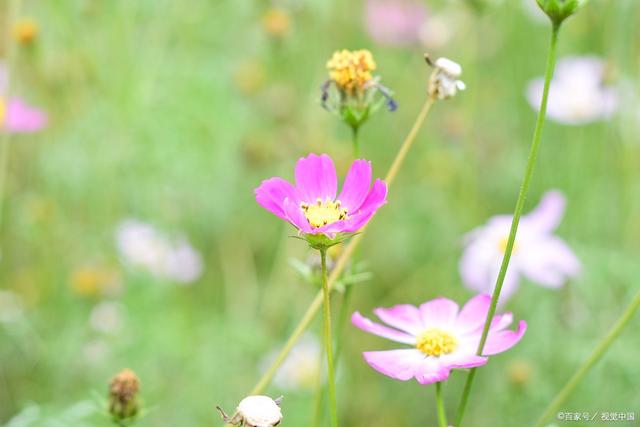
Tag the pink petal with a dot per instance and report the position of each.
(382, 331)
(459, 360)
(439, 312)
(316, 178)
(550, 263)
(296, 217)
(271, 195)
(432, 370)
(376, 197)
(473, 314)
(399, 364)
(547, 215)
(405, 317)
(500, 341)
(356, 185)
(478, 261)
(21, 117)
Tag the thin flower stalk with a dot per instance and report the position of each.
(328, 340)
(442, 416)
(524, 189)
(597, 354)
(342, 261)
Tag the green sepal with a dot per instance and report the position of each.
(354, 116)
(322, 242)
(559, 10)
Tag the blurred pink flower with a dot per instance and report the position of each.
(16, 116)
(577, 94)
(21, 118)
(443, 337)
(394, 22)
(311, 205)
(538, 254)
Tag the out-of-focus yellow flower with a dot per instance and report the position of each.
(276, 22)
(249, 76)
(351, 70)
(94, 281)
(25, 30)
(519, 372)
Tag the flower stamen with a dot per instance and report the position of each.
(323, 213)
(436, 342)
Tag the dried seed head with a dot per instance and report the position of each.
(256, 411)
(123, 395)
(444, 83)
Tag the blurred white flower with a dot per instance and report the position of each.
(577, 94)
(11, 307)
(107, 317)
(142, 246)
(538, 254)
(301, 369)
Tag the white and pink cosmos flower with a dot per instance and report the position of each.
(311, 204)
(578, 93)
(442, 337)
(16, 116)
(538, 254)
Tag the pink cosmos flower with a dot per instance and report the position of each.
(16, 116)
(443, 337)
(538, 254)
(394, 22)
(311, 205)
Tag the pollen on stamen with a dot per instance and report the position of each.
(436, 342)
(323, 213)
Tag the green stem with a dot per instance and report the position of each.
(524, 189)
(328, 340)
(355, 140)
(342, 321)
(588, 364)
(320, 389)
(442, 416)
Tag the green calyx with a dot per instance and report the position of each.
(559, 10)
(322, 243)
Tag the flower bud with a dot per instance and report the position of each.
(357, 93)
(123, 395)
(559, 10)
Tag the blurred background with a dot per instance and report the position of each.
(130, 236)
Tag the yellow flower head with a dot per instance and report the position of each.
(276, 22)
(25, 30)
(351, 70)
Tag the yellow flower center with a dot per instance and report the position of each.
(436, 342)
(502, 244)
(351, 70)
(323, 213)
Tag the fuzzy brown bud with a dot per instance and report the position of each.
(123, 395)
